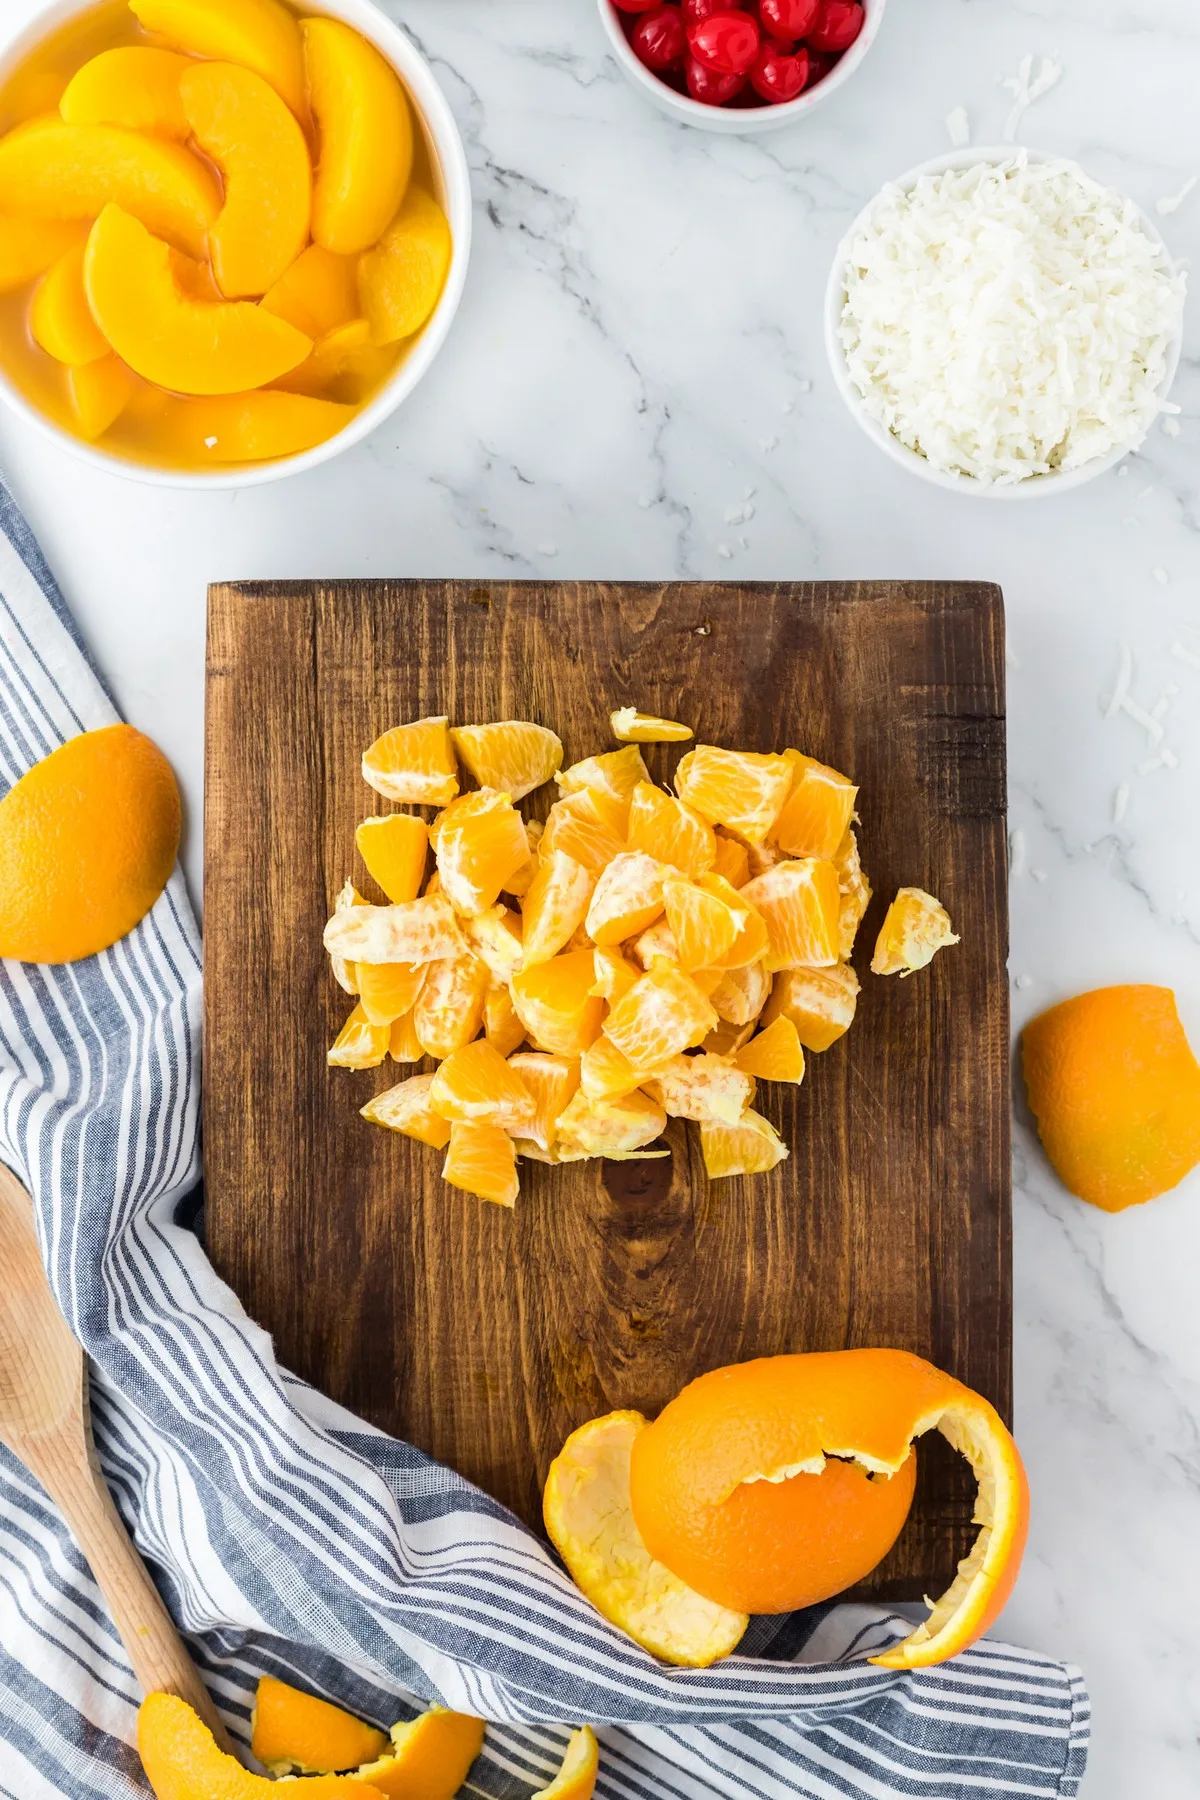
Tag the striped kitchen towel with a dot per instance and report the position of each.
(287, 1536)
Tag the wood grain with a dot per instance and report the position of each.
(485, 1337)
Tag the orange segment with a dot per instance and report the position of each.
(588, 1127)
(800, 903)
(551, 1080)
(296, 1733)
(555, 906)
(713, 926)
(131, 86)
(587, 825)
(741, 994)
(404, 1046)
(481, 1160)
(495, 936)
(416, 931)
(555, 1003)
(816, 814)
(727, 1037)
(359, 1044)
(736, 788)
(576, 1779)
(395, 850)
(182, 1762)
(1115, 1089)
(916, 927)
(665, 828)
(662, 1014)
(855, 891)
(479, 842)
(774, 1054)
(606, 1073)
(408, 1108)
(615, 975)
(616, 773)
(345, 973)
(750, 1147)
(477, 1083)
(705, 1088)
(629, 726)
(586, 1506)
(501, 1026)
(654, 945)
(449, 1009)
(389, 990)
(819, 1002)
(513, 755)
(628, 897)
(414, 763)
(732, 860)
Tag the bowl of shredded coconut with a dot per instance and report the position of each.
(1002, 324)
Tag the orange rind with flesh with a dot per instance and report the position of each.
(705, 1088)
(297, 1733)
(774, 1054)
(482, 1161)
(182, 1762)
(741, 994)
(133, 86)
(408, 1108)
(1115, 1090)
(317, 294)
(60, 318)
(555, 906)
(395, 850)
(816, 814)
(359, 1044)
(243, 126)
(478, 842)
(99, 392)
(512, 755)
(750, 1147)
(739, 789)
(629, 726)
(414, 764)
(819, 1002)
(588, 1127)
(777, 1483)
(400, 281)
(552, 1081)
(28, 247)
(628, 897)
(855, 891)
(555, 1003)
(448, 1011)
(55, 171)
(665, 828)
(189, 346)
(576, 1779)
(799, 902)
(587, 1511)
(260, 34)
(416, 931)
(364, 126)
(477, 1083)
(916, 927)
(388, 990)
(662, 1014)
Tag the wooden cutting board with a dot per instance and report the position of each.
(486, 1336)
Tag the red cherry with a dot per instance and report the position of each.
(658, 39)
(819, 65)
(726, 41)
(635, 6)
(838, 26)
(708, 86)
(788, 20)
(696, 10)
(776, 75)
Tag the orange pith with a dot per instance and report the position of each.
(1115, 1090)
(633, 727)
(739, 789)
(606, 1127)
(855, 892)
(294, 1732)
(414, 763)
(395, 849)
(665, 828)
(513, 755)
(916, 927)
(705, 1088)
(417, 931)
(88, 839)
(741, 994)
(816, 814)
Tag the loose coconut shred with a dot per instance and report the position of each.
(1009, 320)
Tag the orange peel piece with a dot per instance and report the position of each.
(576, 1778)
(428, 1759)
(182, 1762)
(292, 1732)
(588, 1515)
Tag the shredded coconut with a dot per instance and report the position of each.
(1171, 203)
(1026, 87)
(1009, 320)
(958, 127)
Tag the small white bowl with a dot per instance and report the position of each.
(1035, 487)
(743, 120)
(452, 178)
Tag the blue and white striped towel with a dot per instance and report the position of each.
(288, 1537)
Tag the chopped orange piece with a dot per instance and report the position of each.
(389, 990)
(616, 773)
(395, 849)
(615, 975)
(800, 903)
(775, 1054)
(629, 726)
(732, 860)
(713, 926)
(662, 1014)
(855, 890)
(589, 1127)
(916, 927)
(665, 828)
(819, 1002)
(583, 825)
(404, 1046)
(479, 842)
(555, 906)
(482, 1161)
(551, 1080)
(761, 857)
(345, 973)
(449, 1008)
(606, 1073)
(501, 1026)
(477, 1083)
(658, 942)
(741, 994)
(359, 1044)
(495, 935)
(705, 1088)
(750, 1147)
(296, 1733)
(414, 763)
(407, 1108)
(727, 1037)
(513, 755)
(415, 932)
(555, 1003)
(628, 897)
(735, 788)
(817, 813)
(576, 1779)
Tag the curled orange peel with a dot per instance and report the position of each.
(576, 1779)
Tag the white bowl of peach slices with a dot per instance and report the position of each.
(633, 955)
(233, 235)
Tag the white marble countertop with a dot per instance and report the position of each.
(640, 350)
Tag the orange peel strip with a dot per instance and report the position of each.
(576, 1778)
